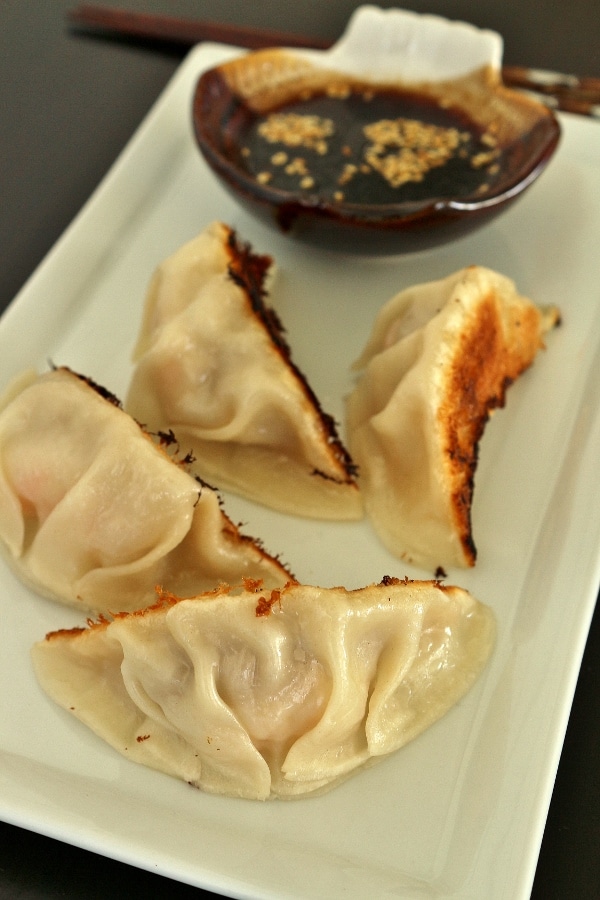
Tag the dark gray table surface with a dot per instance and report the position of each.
(68, 106)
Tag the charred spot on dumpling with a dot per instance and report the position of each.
(491, 353)
(253, 585)
(339, 450)
(349, 479)
(65, 632)
(167, 438)
(98, 388)
(248, 270)
(265, 604)
(189, 459)
(249, 267)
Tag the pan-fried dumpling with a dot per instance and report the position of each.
(439, 360)
(271, 694)
(94, 513)
(212, 365)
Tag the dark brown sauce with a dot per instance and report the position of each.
(437, 152)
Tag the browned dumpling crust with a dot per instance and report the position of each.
(439, 360)
(213, 365)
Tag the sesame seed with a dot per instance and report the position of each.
(297, 167)
(478, 160)
(403, 150)
(295, 130)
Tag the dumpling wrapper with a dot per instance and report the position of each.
(212, 364)
(94, 513)
(271, 694)
(439, 360)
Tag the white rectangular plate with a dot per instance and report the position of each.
(459, 812)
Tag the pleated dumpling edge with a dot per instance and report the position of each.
(262, 694)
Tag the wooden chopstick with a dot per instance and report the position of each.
(568, 93)
(186, 32)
